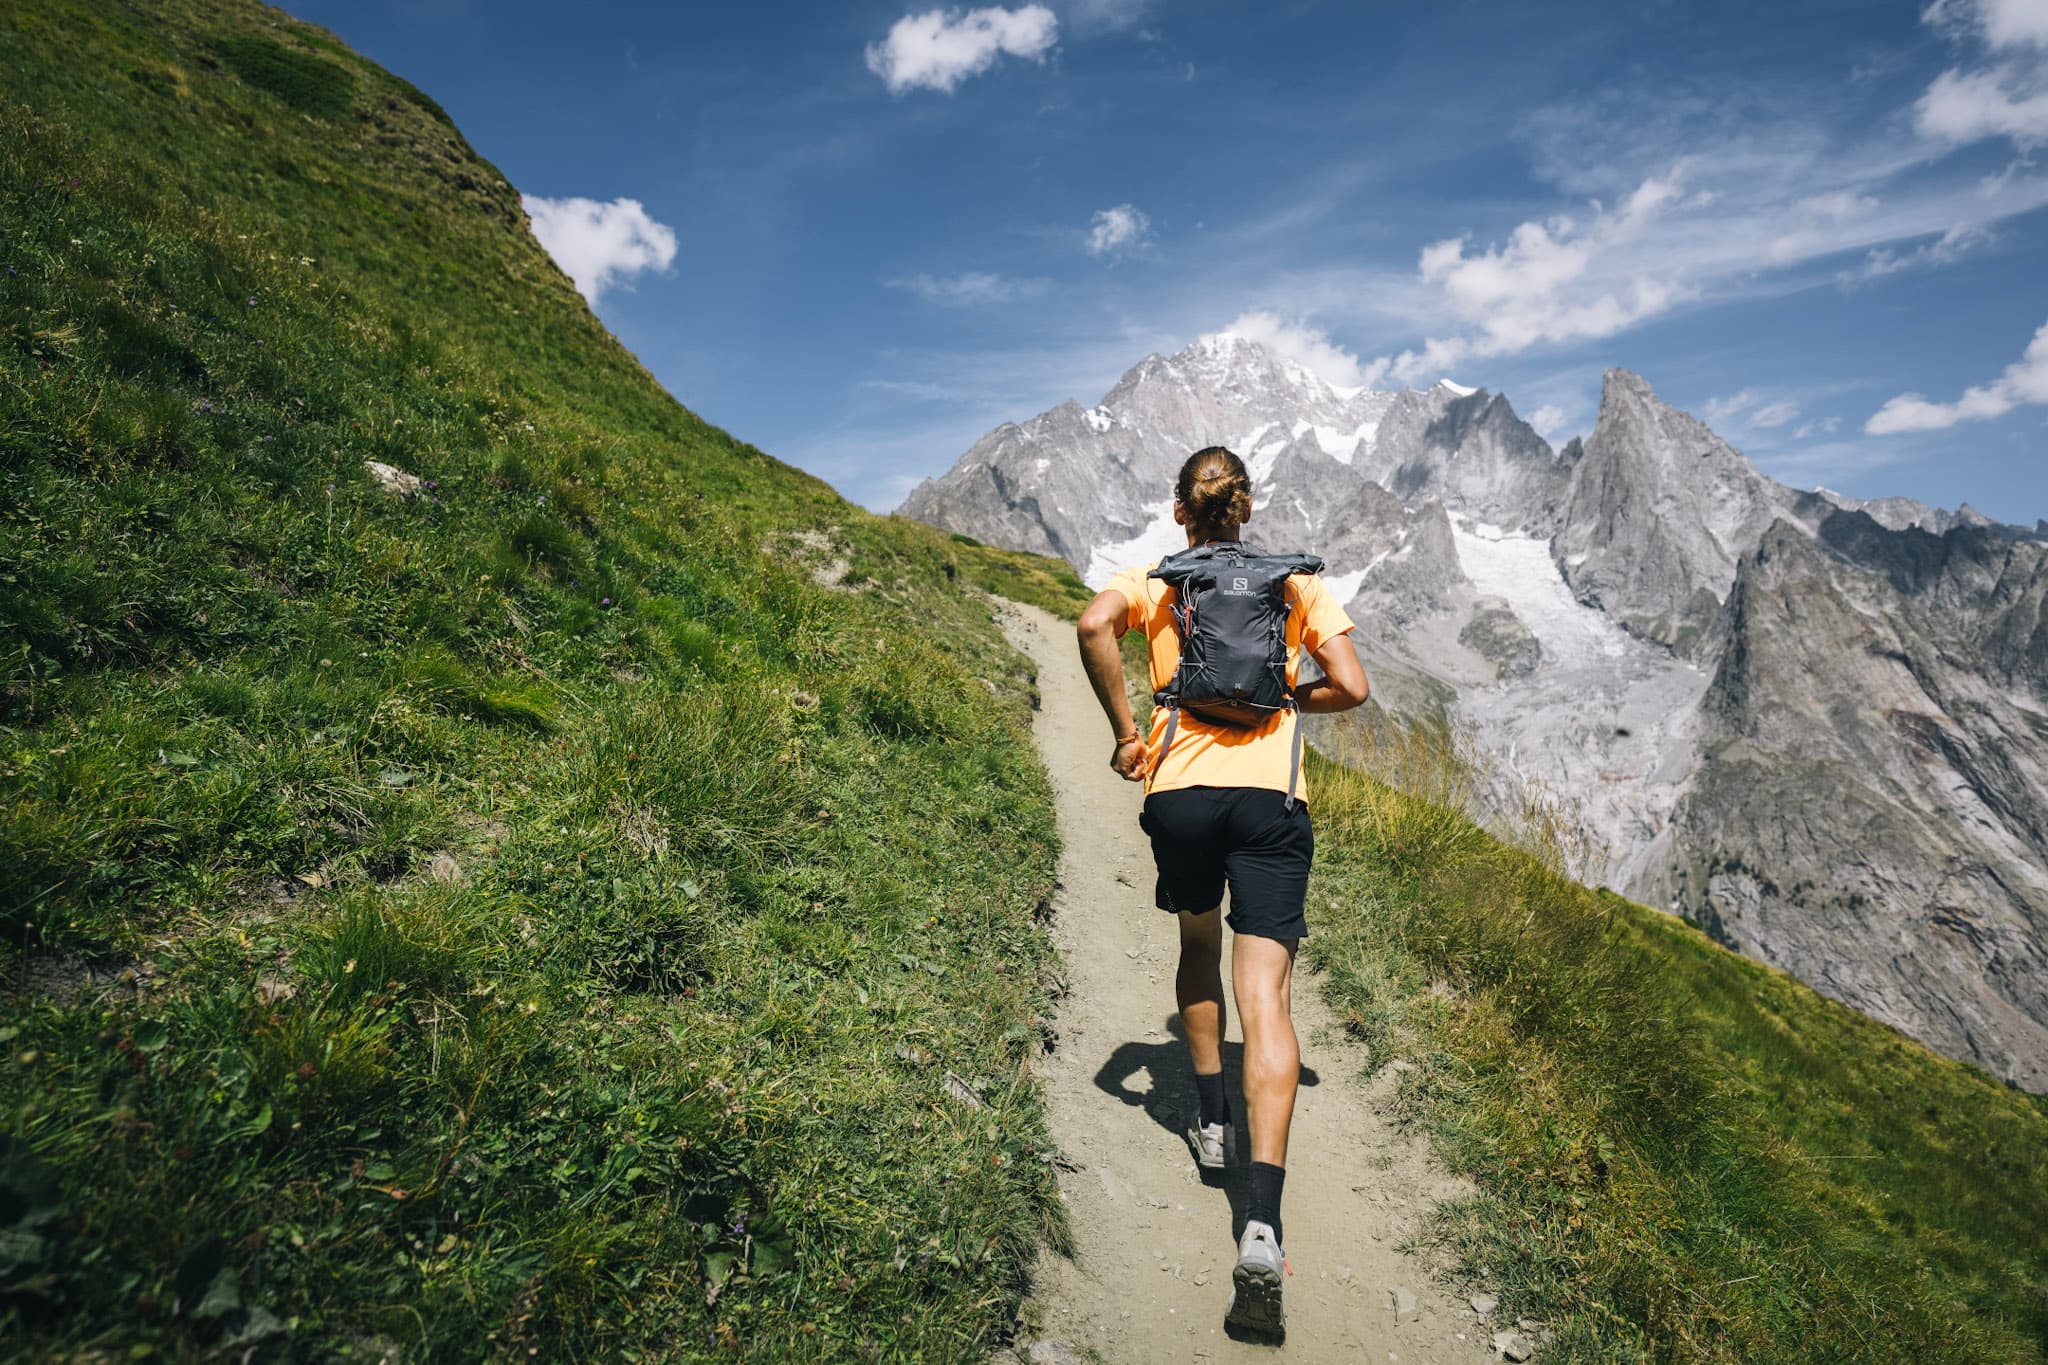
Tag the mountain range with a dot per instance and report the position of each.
(1814, 725)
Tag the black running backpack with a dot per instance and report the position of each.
(1230, 606)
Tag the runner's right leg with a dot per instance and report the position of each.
(1262, 970)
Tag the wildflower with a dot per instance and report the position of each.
(330, 488)
(252, 300)
(604, 602)
(10, 270)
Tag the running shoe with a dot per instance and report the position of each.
(1210, 1143)
(1255, 1296)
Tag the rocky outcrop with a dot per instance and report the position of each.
(1870, 804)
(1472, 452)
(1660, 511)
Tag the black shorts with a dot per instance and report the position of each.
(1203, 837)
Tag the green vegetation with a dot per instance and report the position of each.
(1679, 1154)
(535, 914)
(529, 916)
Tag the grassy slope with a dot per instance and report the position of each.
(743, 863)
(1681, 1155)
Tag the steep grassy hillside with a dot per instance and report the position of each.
(533, 915)
(1681, 1154)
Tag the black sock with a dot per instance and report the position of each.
(1215, 1109)
(1262, 1195)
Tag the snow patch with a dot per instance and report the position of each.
(1458, 389)
(1260, 464)
(1161, 537)
(1098, 420)
(1519, 570)
(1343, 587)
(1336, 444)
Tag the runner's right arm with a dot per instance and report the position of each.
(1101, 626)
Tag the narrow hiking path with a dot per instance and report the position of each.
(1154, 1246)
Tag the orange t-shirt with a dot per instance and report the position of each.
(1207, 755)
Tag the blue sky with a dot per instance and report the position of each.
(862, 234)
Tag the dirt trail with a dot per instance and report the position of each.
(1153, 1245)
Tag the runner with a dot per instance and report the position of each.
(1227, 805)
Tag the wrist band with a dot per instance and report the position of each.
(1131, 738)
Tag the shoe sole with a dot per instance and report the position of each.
(1255, 1306)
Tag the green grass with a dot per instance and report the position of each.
(531, 918)
(1679, 1154)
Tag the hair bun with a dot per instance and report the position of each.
(1215, 493)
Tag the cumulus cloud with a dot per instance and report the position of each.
(2006, 97)
(2003, 24)
(968, 289)
(1550, 421)
(600, 245)
(1550, 281)
(939, 49)
(2025, 381)
(1308, 346)
(1117, 230)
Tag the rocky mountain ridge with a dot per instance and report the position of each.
(1813, 724)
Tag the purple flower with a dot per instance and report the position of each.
(330, 488)
(432, 483)
(252, 300)
(605, 602)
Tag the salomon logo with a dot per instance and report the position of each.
(1240, 585)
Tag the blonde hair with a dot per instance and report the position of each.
(1215, 492)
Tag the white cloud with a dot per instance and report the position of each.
(1828, 426)
(600, 245)
(2010, 100)
(2003, 24)
(1106, 15)
(1552, 281)
(1119, 229)
(1946, 249)
(1750, 408)
(1307, 346)
(939, 49)
(1550, 421)
(1721, 409)
(2006, 99)
(968, 289)
(2024, 381)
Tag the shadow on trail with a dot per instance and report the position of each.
(1171, 1101)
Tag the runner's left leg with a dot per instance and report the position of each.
(1198, 990)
